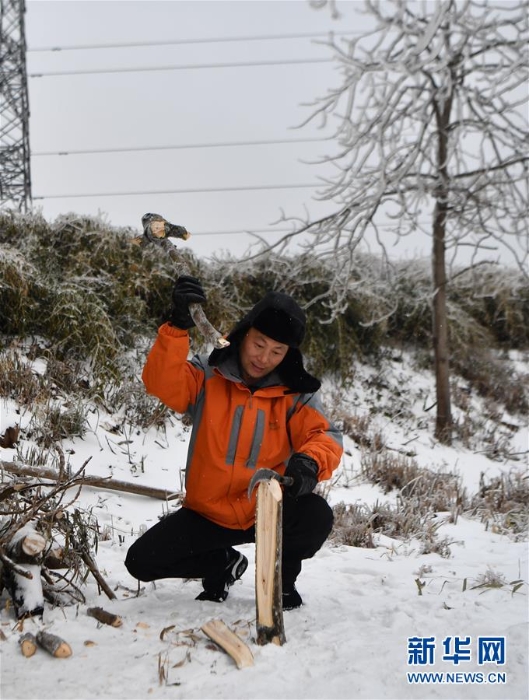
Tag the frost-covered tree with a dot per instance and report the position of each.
(432, 134)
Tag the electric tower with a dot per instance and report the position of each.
(15, 178)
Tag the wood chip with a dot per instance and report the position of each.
(220, 633)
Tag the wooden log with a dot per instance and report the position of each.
(26, 545)
(268, 550)
(105, 617)
(25, 590)
(57, 558)
(33, 544)
(28, 644)
(54, 645)
(220, 633)
(91, 481)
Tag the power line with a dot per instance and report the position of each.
(188, 66)
(177, 42)
(273, 230)
(186, 191)
(244, 231)
(225, 144)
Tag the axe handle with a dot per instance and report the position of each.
(210, 334)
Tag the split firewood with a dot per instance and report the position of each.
(221, 634)
(28, 644)
(54, 645)
(268, 549)
(105, 617)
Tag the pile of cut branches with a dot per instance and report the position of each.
(46, 541)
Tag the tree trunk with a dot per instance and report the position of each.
(443, 423)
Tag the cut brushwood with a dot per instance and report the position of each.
(220, 633)
(20, 567)
(28, 644)
(54, 645)
(105, 617)
(268, 550)
(27, 545)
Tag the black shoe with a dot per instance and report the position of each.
(291, 598)
(216, 588)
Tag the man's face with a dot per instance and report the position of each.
(260, 355)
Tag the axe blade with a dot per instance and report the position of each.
(156, 227)
(266, 475)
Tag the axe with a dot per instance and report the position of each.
(268, 549)
(157, 231)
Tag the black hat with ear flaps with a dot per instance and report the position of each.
(279, 317)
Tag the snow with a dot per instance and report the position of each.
(363, 607)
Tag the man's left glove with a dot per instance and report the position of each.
(304, 470)
(187, 290)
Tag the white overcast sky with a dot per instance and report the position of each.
(75, 110)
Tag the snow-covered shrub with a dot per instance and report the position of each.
(493, 377)
(503, 503)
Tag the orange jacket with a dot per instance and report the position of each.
(234, 430)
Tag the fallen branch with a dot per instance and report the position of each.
(91, 481)
(90, 563)
(9, 563)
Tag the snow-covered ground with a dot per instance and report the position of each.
(371, 616)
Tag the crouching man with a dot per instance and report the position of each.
(253, 405)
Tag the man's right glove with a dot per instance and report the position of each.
(187, 290)
(304, 470)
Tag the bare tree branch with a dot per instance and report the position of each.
(432, 122)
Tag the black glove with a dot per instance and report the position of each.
(304, 470)
(187, 290)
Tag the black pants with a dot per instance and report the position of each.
(187, 545)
